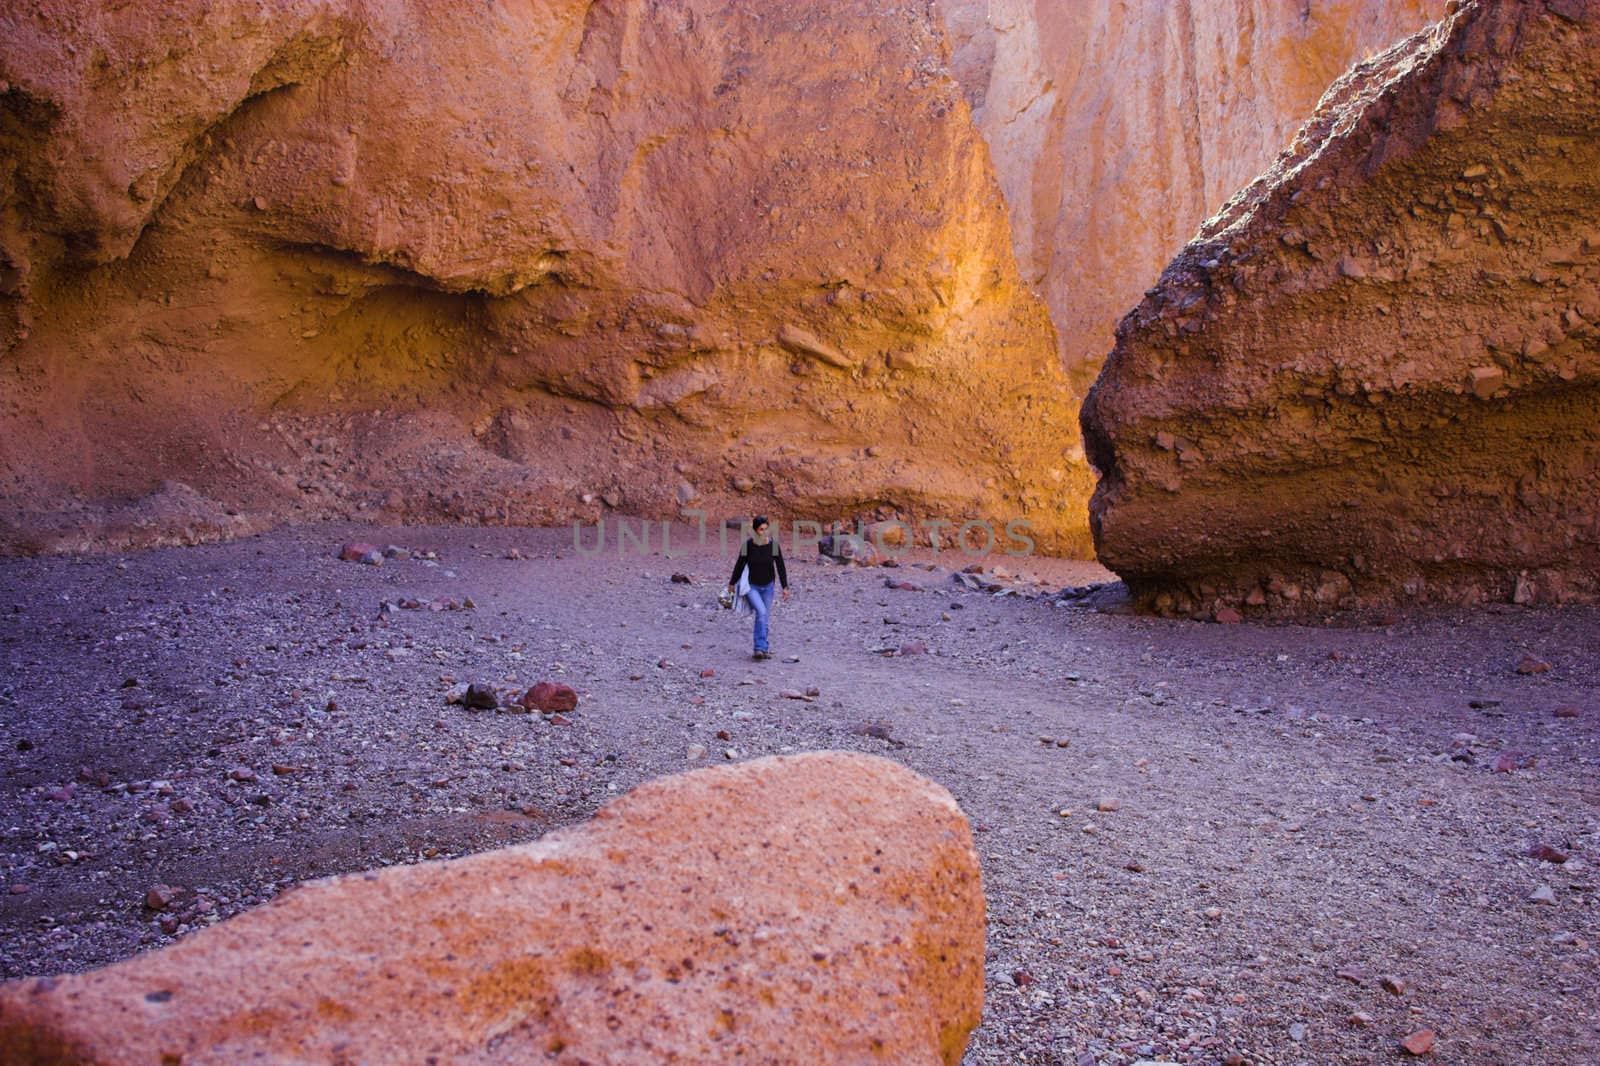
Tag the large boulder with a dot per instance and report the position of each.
(1373, 377)
(822, 908)
(526, 263)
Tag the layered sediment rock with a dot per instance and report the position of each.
(1117, 127)
(488, 263)
(822, 908)
(1375, 376)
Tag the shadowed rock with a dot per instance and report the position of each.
(822, 908)
(1373, 377)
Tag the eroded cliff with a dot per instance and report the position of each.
(507, 262)
(1375, 376)
(1116, 128)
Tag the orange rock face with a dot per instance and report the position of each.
(1118, 127)
(822, 908)
(1373, 377)
(507, 263)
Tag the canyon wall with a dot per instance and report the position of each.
(507, 262)
(1375, 377)
(1117, 127)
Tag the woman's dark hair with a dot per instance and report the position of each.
(758, 521)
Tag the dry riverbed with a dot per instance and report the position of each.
(1201, 843)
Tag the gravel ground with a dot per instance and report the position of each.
(1201, 843)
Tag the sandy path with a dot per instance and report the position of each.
(1292, 803)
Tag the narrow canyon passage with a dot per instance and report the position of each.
(1292, 814)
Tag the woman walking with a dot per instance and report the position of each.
(762, 557)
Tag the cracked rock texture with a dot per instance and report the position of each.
(1373, 377)
(822, 908)
(507, 263)
(1117, 127)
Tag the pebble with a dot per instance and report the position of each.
(1543, 894)
(696, 752)
(1546, 853)
(242, 773)
(1567, 710)
(160, 897)
(1297, 1032)
(1532, 664)
(1393, 985)
(1418, 1043)
(1213, 914)
(1107, 804)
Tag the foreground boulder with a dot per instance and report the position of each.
(821, 908)
(1372, 379)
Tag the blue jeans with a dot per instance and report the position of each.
(760, 597)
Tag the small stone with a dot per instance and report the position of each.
(560, 719)
(1355, 977)
(1228, 616)
(1418, 1043)
(481, 698)
(708, 672)
(1297, 1032)
(160, 897)
(1543, 894)
(1566, 710)
(282, 769)
(457, 693)
(1361, 1019)
(550, 697)
(696, 752)
(1213, 914)
(1107, 804)
(1546, 853)
(1531, 664)
(242, 773)
(913, 647)
(1393, 985)
(682, 579)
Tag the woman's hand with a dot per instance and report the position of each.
(785, 593)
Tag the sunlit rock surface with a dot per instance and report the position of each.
(823, 908)
(1373, 377)
(498, 263)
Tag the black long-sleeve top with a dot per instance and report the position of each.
(762, 559)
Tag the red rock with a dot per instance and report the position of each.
(1393, 985)
(586, 940)
(1419, 1042)
(913, 647)
(549, 697)
(1567, 711)
(242, 773)
(708, 672)
(560, 719)
(1228, 616)
(1531, 664)
(1546, 853)
(354, 551)
(160, 897)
